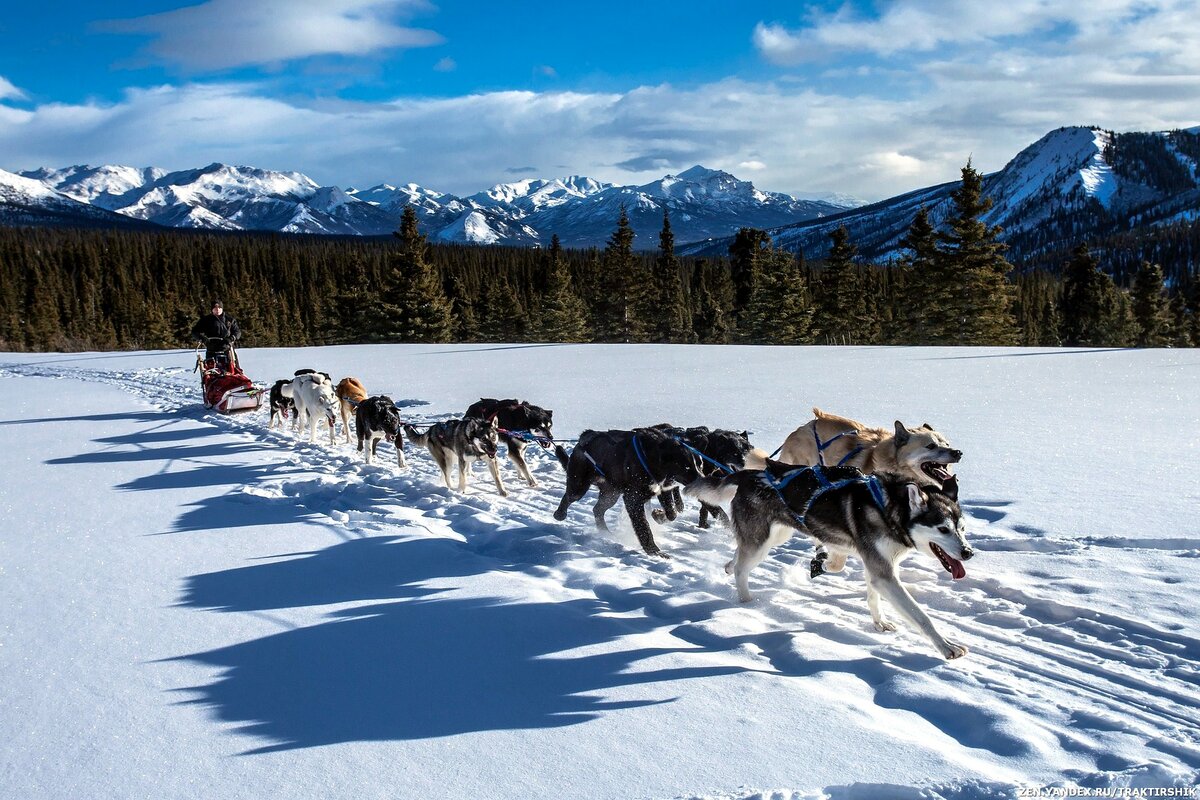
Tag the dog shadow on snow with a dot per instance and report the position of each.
(420, 663)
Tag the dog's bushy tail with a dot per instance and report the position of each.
(562, 456)
(416, 437)
(715, 491)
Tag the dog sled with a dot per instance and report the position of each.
(223, 384)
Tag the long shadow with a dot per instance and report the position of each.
(173, 453)
(483, 349)
(422, 666)
(134, 416)
(94, 357)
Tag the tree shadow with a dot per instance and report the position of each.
(421, 666)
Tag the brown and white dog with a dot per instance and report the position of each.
(921, 454)
(350, 392)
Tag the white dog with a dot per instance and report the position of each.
(314, 398)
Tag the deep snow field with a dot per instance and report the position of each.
(192, 606)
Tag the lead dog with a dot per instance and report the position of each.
(350, 392)
(921, 454)
(461, 440)
(635, 465)
(313, 395)
(839, 509)
(378, 418)
(515, 415)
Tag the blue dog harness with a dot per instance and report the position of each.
(825, 445)
(824, 485)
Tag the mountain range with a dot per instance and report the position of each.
(703, 203)
(1074, 184)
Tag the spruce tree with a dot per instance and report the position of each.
(922, 314)
(841, 311)
(779, 311)
(712, 302)
(623, 304)
(413, 306)
(564, 315)
(746, 255)
(668, 313)
(980, 297)
(1149, 306)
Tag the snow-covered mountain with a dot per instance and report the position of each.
(27, 201)
(1072, 184)
(581, 210)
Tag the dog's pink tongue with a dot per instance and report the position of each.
(957, 570)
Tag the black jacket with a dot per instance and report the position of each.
(210, 325)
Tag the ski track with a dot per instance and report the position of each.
(1123, 678)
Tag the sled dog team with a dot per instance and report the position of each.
(875, 493)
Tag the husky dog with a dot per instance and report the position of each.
(921, 454)
(515, 415)
(378, 418)
(636, 465)
(724, 451)
(839, 508)
(350, 392)
(461, 439)
(313, 395)
(281, 402)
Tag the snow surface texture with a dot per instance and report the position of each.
(195, 606)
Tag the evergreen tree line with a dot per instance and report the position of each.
(74, 290)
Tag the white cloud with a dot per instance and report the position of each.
(220, 34)
(446, 64)
(925, 25)
(10, 92)
(870, 147)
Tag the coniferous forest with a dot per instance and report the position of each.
(70, 290)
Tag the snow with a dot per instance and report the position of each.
(471, 227)
(195, 606)
(1098, 178)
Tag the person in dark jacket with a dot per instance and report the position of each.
(216, 331)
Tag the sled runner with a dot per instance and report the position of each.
(223, 384)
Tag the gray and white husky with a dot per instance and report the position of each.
(462, 440)
(839, 509)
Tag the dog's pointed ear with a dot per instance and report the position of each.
(918, 503)
(927, 426)
(902, 435)
(745, 434)
(950, 487)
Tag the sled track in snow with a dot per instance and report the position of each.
(1032, 657)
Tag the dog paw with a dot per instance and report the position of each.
(560, 515)
(659, 515)
(729, 568)
(533, 484)
(953, 650)
(883, 626)
(816, 567)
(658, 554)
(703, 525)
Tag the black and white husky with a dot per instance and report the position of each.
(515, 418)
(463, 440)
(281, 403)
(840, 508)
(378, 418)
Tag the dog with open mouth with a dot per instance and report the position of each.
(879, 518)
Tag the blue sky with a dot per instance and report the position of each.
(866, 98)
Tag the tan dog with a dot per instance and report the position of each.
(921, 454)
(350, 392)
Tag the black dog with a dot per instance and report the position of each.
(281, 403)
(636, 465)
(378, 418)
(723, 451)
(300, 372)
(515, 415)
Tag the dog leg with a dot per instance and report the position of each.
(462, 474)
(579, 480)
(748, 557)
(516, 454)
(881, 621)
(889, 586)
(345, 419)
(635, 506)
(608, 499)
(494, 467)
(716, 512)
(400, 462)
(671, 502)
